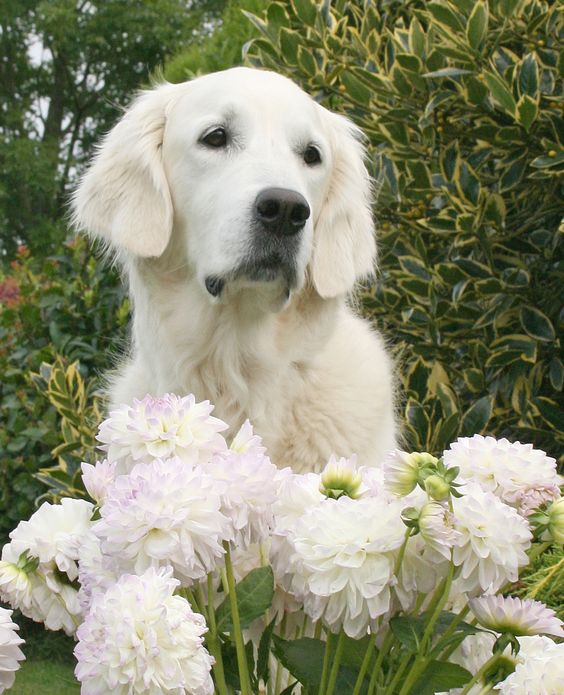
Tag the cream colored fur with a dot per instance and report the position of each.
(312, 377)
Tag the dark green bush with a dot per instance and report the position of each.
(68, 304)
(461, 103)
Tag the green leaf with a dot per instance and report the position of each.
(416, 38)
(473, 268)
(550, 411)
(440, 676)
(527, 111)
(537, 324)
(500, 92)
(476, 417)
(556, 372)
(254, 598)
(495, 209)
(447, 72)
(307, 62)
(445, 16)
(474, 379)
(529, 77)
(264, 651)
(477, 26)
(414, 266)
(409, 631)
(289, 44)
(508, 7)
(305, 10)
(356, 88)
(546, 161)
(513, 175)
(467, 183)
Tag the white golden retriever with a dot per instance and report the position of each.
(240, 211)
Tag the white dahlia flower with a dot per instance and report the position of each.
(246, 441)
(10, 652)
(249, 485)
(436, 525)
(492, 543)
(519, 475)
(343, 561)
(15, 583)
(539, 669)
(39, 591)
(141, 639)
(520, 617)
(171, 426)
(54, 534)
(165, 513)
(296, 495)
(96, 571)
(98, 478)
(40, 563)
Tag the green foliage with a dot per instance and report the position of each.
(68, 305)
(461, 103)
(69, 67)
(544, 580)
(79, 407)
(221, 50)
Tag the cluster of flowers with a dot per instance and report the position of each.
(176, 509)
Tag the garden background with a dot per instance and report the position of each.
(461, 103)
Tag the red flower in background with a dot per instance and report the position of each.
(9, 292)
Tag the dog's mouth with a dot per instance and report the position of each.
(270, 268)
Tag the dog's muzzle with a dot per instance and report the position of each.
(277, 217)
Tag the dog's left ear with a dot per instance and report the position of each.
(344, 244)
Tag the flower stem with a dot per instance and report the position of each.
(214, 643)
(437, 605)
(451, 629)
(364, 665)
(318, 628)
(202, 602)
(477, 677)
(326, 658)
(236, 633)
(399, 560)
(386, 644)
(278, 679)
(403, 664)
(336, 663)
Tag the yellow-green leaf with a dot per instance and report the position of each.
(477, 26)
(305, 10)
(500, 92)
(527, 111)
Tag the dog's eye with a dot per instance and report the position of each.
(216, 138)
(312, 155)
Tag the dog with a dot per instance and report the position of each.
(240, 212)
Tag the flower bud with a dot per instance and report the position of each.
(340, 477)
(437, 488)
(402, 470)
(555, 514)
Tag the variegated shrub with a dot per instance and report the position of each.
(461, 102)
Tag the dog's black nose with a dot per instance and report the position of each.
(281, 211)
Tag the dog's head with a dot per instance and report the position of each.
(261, 183)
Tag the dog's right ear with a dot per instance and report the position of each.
(123, 198)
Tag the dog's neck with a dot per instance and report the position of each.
(229, 352)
